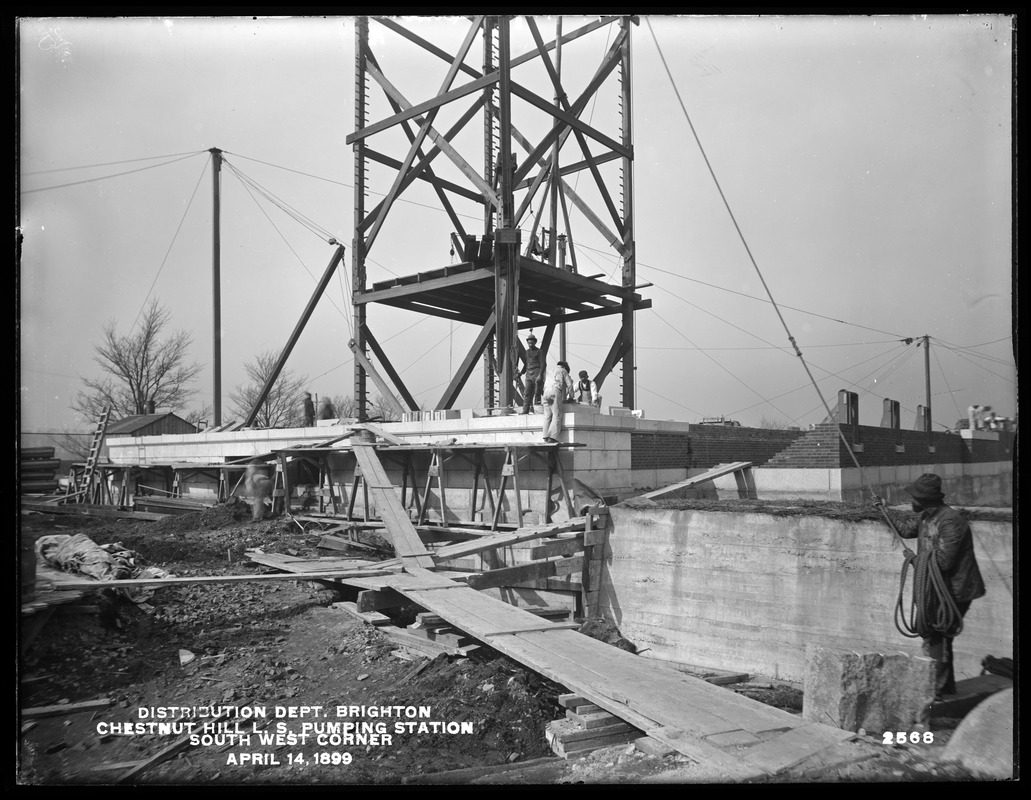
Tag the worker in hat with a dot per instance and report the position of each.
(309, 410)
(558, 389)
(586, 391)
(943, 532)
(533, 369)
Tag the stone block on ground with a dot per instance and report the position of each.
(873, 691)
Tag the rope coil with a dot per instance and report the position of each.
(932, 609)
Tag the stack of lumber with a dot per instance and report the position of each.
(432, 634)
(37, 470)
(585, 728)
(167, 505)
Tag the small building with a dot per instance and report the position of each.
(151, 425)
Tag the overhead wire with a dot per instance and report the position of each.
(721, 366)
(106, 177)
(171, 244)
(110, 163)
(828, 377)
(945, 380)
(751, 258)
(248, 187)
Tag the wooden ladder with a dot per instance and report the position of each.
(84, 489)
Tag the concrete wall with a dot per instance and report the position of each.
(748, 591)
(969, 484)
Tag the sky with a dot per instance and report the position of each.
(861, 167)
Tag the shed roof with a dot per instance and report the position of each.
(135, 422)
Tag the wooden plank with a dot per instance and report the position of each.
(593, 719)
(731, 768)
(561, 547)
(508, 575)
(403, 535)
(424, 645)
(66, 708)
(382, 434)
(81, 509)
(371, 617)
(791, 748)
(552, 626)
(506, 539)
(275, 576)
(565, 731)
(665, 691)
(705, 476)
(594, 537)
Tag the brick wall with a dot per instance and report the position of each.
(707, 446)
(885, 447)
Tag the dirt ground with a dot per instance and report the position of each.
(281, 646)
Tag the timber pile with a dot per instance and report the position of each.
(586, 727)
(168, 505)
(37, 470)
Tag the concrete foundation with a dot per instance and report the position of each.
(748, 591)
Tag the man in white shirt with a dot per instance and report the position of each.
(558, 388)
(586, 391)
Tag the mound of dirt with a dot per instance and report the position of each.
(606, 631)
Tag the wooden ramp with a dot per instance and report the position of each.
(740, 738)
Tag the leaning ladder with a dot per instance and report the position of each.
(84, 491)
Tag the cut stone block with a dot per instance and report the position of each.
(874, 691)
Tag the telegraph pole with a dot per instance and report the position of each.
(216, 290)
(927, 384)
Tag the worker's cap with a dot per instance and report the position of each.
(564, 365)
(583, 374)
(531, 338)
(927, 487)
(307, 394)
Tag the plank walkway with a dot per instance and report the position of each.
(741, 738)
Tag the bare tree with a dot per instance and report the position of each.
(382, 411)
(772, 424)
(199, 415)
(345, 407)
(282, 407)
(141, 368)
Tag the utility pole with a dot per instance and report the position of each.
(216, 289)
(927, 386)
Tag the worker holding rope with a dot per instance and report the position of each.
(946, 578)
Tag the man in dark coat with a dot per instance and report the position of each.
(946, 532)
(309, 411)
(534, 371)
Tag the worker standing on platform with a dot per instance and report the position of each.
(558, 389)
(943, 536)
(326, 410)
(586, 391)
(533, 368)
(309, 410)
